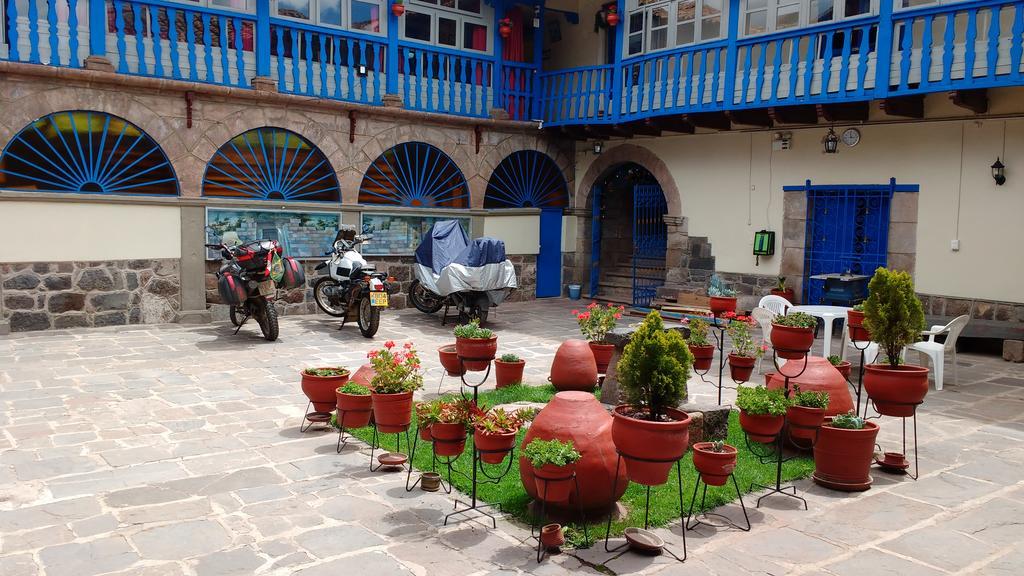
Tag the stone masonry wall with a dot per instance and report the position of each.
(54, 295)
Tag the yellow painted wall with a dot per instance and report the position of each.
(521, 233)
(63, 231)
(580, 45)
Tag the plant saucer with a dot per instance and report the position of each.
(644, 540)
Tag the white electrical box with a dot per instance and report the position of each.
(782, 140)
(954, 245)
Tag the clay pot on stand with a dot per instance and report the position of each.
(482, 350)
(449, 439)
(424, 432)
(320, 390)
(844, 369)
(602, 355)
(450, 360)
(790, 342)
(741, 367)
(803, 421)
(855, 321)
(640, 441)
(551, 537)
(398, 9)
(508, 373)
(842, 457)
(354, 410)
(721, 304)
(554, 483)
(896, 390)
(392, 412)
(714, 467)
(574, 367)
(702, 356)
(788, 294)
(494, 447)
(761, 427)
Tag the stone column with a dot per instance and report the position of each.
(5, 325)
(577, 263)
(351, 216)
(794, 230)
(677, 250)
(476, 223)
(193, 266)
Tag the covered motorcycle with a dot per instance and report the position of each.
(452, 270)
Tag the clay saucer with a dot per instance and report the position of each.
(893, 461)
(644, 540)
(319, 417)
(392, 459)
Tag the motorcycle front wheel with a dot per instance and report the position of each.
(266, 315)
(423, 299)
(369, 318)
(323, 301)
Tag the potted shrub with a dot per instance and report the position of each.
(355, 407)
(494, 434)
(745, 351)
(782, 290)
(397, 376)
(449, 430)
(595, 324)
(762, 412)
(426, 414)
(702, 349)
(843, 453)
(554, 463)
(450, 360)
(855, 321)
(722, 298)
(612, 16)
(894, 316)
(398, 8)
(648, 430)
(480, 344)
(715, 461)
(842, 365)
(508, 370)
(319, 384)
(806, 412)
(793, 334)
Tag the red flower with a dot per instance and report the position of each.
(592, 305)
(389, 344)
(618, 316)
(575, 312)
(372, 354)
(408, 345)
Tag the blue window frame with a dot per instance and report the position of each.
(414, 174)
(526, 179)
(271, 164)
(86, 152)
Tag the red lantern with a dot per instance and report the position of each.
(505, 27)
(398, 8)
(612, 18)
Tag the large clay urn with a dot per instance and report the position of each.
(820, 375)
(579, 417)
(574, 367)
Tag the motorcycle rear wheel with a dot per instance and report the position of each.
(423, 299)
(323, 302)
(266, 316)
(369, 318)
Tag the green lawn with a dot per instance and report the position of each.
(664, 500)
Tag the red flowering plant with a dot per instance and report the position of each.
(597, 321)
(739, 332)
(396, 370)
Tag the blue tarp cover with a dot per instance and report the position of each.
(442, 244)
(482, 251)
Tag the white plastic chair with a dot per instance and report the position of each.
(777, 305)
(937, 350)
(764, 317)
(870, 353)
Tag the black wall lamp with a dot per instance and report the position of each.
(999, 172)
(598, 148)
(831, 142)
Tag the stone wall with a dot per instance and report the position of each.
(952, 306)
(54, 295)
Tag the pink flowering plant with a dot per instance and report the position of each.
(396, 369)
(739, 332)
(597, 321)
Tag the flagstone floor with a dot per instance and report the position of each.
(165, 450)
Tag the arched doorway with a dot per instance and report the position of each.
(629, 238)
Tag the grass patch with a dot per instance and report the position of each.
(664, 499)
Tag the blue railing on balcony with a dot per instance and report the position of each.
(433, 79)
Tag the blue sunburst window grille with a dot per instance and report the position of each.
(526, 179)
(414, 174)
(271, 164)
(86, 152)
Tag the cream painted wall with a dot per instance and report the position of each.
(63, 231)
(520, 233)
(731, 186)
(580, 45)
(568, 233)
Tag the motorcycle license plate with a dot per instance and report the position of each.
(267, 288)
(379, 299)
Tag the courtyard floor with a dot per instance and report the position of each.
(164, 450)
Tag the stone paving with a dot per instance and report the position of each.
(165, 450)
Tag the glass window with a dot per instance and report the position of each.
(474, 36)
(365, 16)
(330, 12)
(756, 22)
(636, 33)
(244, 5)
(294, 8)
(451, 23)
(417, 26)
(821, 11)
(659, 29)
(857, 8)
(711, 19)
(446, 32)
(686, 24)
(788, 16)
(470, 6)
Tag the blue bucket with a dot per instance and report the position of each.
(574, 291)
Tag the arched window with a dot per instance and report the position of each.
(526, 179)
(414, 174)
(271, 164)
(88, 152)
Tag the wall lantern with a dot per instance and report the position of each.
(612, 16)
(607, 16)
(598, 148)
(831, 142)
(998, 172)
(505, 27)
(398, 8)
(536, 16)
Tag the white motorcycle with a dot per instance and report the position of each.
(350, 286)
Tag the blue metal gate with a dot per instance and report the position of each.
(596, 197)
(650, 238)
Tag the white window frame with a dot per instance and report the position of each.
(485, 18)
(346, 16)
(838, 15)
(672, 6)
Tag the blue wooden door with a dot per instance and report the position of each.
(549, 261)
(596, 197)
(650, 240)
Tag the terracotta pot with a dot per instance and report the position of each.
(430, 481)
(494, 447)
(843, 368)
(819, 376)
(803, 421)
(450, 360)
(354, 410)
(320, 390)
(398, 10)
(364, 375)
(855, 320)
(788, 294)
(741, 367)
(602, 355)
(505, 31)
(612, 19)
(791, 343)
(482, 350)
(449, 439)
(508, 373)
(554, 483)
(722, 304)
(574, 367)
(896, 391)
(702, 356)
(424, 432)
(551, 536)
(639, 441)
(714, 467)
(392, 412)
(579, 417)
(842, 458)
(761, 427)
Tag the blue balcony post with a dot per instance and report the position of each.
(498, 88)
(731, 54)
(97, 58)
(617, 59)
(391, 64)
(538, 63)
(883, 49)
(263, 39)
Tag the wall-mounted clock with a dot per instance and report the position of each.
(851, 137)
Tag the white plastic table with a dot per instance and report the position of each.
(828, 314)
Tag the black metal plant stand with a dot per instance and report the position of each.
(860, 373)
(728, 522)
(375, 444)
(312, 418)
(538, 520)
(343, 436)
(434, 459)
(905, 467)
(647, 504)
(719, 337)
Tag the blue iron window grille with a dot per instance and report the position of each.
(271, 164)
(414, 174)
(526, 179)
(86, 152)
